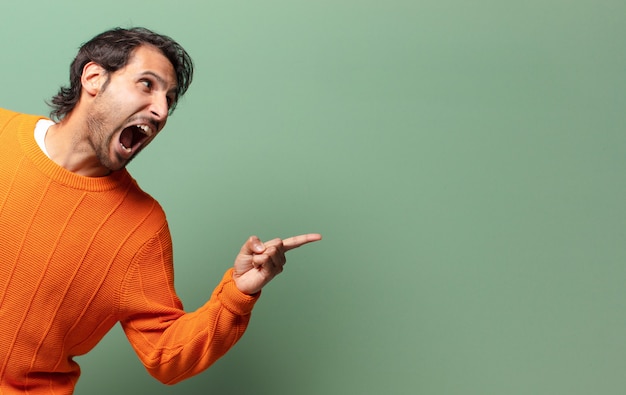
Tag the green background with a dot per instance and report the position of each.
(464, 161)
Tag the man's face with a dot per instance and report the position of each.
(131, 108)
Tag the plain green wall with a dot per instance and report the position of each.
(464, 161)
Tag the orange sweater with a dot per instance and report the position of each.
(78, 255)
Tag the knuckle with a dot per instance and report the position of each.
(275, 242)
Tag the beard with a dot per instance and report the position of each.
(100, 140)
(103, 125)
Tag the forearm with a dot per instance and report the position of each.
(179, 346)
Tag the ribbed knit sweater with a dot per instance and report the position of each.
(79, 254)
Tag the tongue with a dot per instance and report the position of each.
(126, 138)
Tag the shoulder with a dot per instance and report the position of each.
(4, 113)
(8, 116)
(142, 205)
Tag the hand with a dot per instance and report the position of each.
(258, 263)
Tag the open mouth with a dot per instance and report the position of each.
(133, 136)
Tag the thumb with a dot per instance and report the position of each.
(252, 246)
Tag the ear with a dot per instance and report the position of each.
(93, 78)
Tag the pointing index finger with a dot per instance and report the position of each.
(297, 241)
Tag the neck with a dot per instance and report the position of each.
(69, 148)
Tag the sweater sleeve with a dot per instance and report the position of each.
(173, 344)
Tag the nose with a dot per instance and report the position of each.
(160, 108)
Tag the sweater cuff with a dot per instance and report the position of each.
(232, 298)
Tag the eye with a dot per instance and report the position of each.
(147, 84)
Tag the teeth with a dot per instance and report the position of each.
(145, 129)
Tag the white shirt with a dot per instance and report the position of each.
(40, 133)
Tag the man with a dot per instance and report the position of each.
(82, 247)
